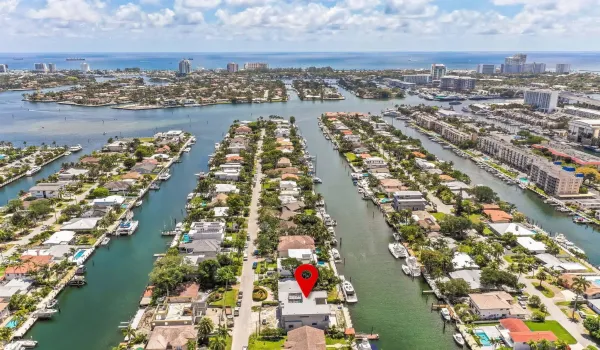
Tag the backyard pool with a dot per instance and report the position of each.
(79, 254)
(483, 338)
(12, 324)
(186, 239)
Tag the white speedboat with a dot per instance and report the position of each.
(51, 303)
(364, 345)
(75, 148)
(406, 270)
(187, 149)
(190, 196)
(45, 313)
(413, 265)
(105, 241)
(67, 153)
(445, 314)
(154, 186)
(138, 203)
(336, 254)
(317, 180)
(33, 170)
(397, 250)
(349, 292)
(192, 140)
(127, 228)
(164, 176)
(458, 338)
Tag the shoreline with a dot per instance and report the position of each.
(8, 182)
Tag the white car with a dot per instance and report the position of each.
(245, 256)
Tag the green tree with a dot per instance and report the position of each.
(454, 288)
(484, 194)
(129, 163)
(40, 208)
(235, 202)
(205, 327)
(217, 343)
(541, 276)
(100, 192)
(455, 226)
(14, 205)
(579, 285)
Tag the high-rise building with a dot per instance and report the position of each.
(517, 59)
(232, 67)
(40, 67)
(419, 79)
(511, 68)
(543, 100)
(563, 68)
(535, 68)
(457, 83)
(437, 71)
(3, 68)
(185, 67)
(255, 66)
(554, 179)
(51, 67)
(486, 68)
(85, 67)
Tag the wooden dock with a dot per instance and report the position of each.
(373, 336)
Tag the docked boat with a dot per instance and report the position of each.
(77, 281)
(458, 338)
(397, 250)
(217, 146)
(154, 186)
(413, 264)
(364, 345)
(317, 180)
(45, 314)
(406, 270)
(33, 170)
(466, 109)
(80, 270)
(331, 231)
(51, 304)
(349, 292)
(192, 140)
(455, 103)
(190, 196)
(164, 176)
(21, 345)
(127, 228)
(75, 148)
(336, 254)
(105, 241)
(67, 153)
(445, 314)
(390, 113)
(396, 236)
(187, 149)
(138, 203)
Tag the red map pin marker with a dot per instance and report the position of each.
(306, 276)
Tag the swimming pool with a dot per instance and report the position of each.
(483, 338)
(12, 324)
(186, 239)
(79, 254)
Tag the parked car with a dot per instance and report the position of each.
(254, 265)
(245, 256)
(582, 314)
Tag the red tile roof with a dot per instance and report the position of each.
(524, 337)
(514, 325)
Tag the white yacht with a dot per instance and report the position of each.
(192, 140)
(349, 292)
(397, 250)
(336, 254)
(164, 176)
(105, 241)
(445, 314)
(317, 180)
(187, 149)
(413, 264)
(34, 169)
(190, 196)
(406, 270)
(45, 313)
(75, 148)
(217, 146)
(458, 338)
(155, 186)
(138, 203)
(127, 228)
(364, 345)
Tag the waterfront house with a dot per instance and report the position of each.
(289, 177)
(237, 146)
(80, 224)
(90, 160)
(207, 230)
(497, 216)
(116, 146)
(30, 264)
(514, 228)
(243, 130)
(552, 262)
(226, 188)
(294, 242)
(462, 261)
(389, 186)
(171, 337)
(304, 256)
(118, 186)
(208, 248)
(284, 162)
(495, 305)
(425, 220)
(177, 313)
(282, 132)
(305, 338)
(351, 138)
(221, 212)
(14, 286)
(234, 158)
(110, 201)
(71, 174)
(47, 190)
(531, 245)
(472, 277)
(423, 164)
(517, 335)
(132, 175)
(60, 237)
(412, 200)
(279, 171)
(374, 163)
(144, 168)
(295, 310)
(165, 149)
(288, 185)
(229, 174)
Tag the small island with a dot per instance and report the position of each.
(312, 90)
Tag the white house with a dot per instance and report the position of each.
(351, 138)
(296, 311)
(47, 190)
(220, 211)
(72, 173)
(305, 256)
(375, 162)
(226, 188)
(110, 201)
(515, 228)
(462, 261)
(117, 146)
(60, 237)
(495, 305)
(229, 174)
(423, 164)
(531, 245)
(207, 230)
(80, 224)
(288, 185)
(282, 132)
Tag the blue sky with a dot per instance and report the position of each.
(298, 25)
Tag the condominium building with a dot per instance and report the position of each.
(505, 152)
(535, 68)
(457, 83)
(255, 66)
(40, 67)
(543, 100)
(232, 67)
(554, 179)
(511, 68)
(425, 120)
(437, 71)
(486, 68)
(563, 68)
(51, 67)
(584, 130)
(456, 136)
(3, 68)
(185, 67)
(419, 79)
(516, 59)
(85, 67)
(582, 112)
(448, 131)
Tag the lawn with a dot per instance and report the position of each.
(554, 327)
(230, 299)
(438, 216)
(475, 218)
(263, 267)
(350, 156)
(548, 293)
(331, 341)
(261, 344)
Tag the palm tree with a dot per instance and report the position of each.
(218, 343)
(544, 344)
(129, 333)
(541, 276)
(533, 345)
(561, 345)
(579, 285)
(223, 331)
(205, 327)
(495, 342)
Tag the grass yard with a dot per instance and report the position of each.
(261, 344)
(350, 156)
(554, 327)
(438, 216)
(229, 299)
(331, 341)
(548, 293)
(475, 218)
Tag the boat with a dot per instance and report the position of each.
(33, 170)
(127, 228)
(28, 343)
(105, 241)
(80, 270)
(154, 186)
(406, 270)
(349, 292)
(336, 254)
(45, 314)
(413, 264)
(445, 314)
(396, 236)
(466, 109)
(187, 149)
(458, 338)
(51, 303)
(138, 203)
(331, 231)
(75, 148)
(397, 250)
(317, 180)
(217, 146)
(455, 103)
(77, 281)
(364, 345)
(390, 113)
(164, 176)
(67, 153)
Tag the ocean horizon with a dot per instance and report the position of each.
(579, 60)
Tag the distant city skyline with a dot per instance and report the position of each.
(298, 25)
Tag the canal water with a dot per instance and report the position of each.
(389, 301)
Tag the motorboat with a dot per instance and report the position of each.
(406, 270)
(21, 344)
(154, 186)
(164, 176)
(458, 338)
(51, 303)
(67, 153)
(445, 314)
(75, 148)
(413, 264)
(217, 146)
(80, 270)
(396, 236)
(33, 170)
(187, 149)
(331, 231)
(349, 292)
(192, 140)
(105, 241)
(138, 203)
(190, 196)
(364, 345)
(317, 180)
(45, 314)
(77, 281)
(336, 254)
(127, 228)
(397, 250)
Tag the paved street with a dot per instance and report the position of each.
(243, 323)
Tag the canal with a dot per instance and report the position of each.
(527, 202)
(389, 301)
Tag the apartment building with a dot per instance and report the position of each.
(185, 67)
(437, 71)
(505, 152)
(486, 68)
(554, 179)
(419, 79)
(457, 83)
(563, 68)
(543, 100)
(232, 67)
(52, 67)
(425, 120)
(534, 67)
(582, 112)
(255, 66)
(40, 67)
(584, 130)
(455, 136)
(3, 68)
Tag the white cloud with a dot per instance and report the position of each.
(128, 11)
(360, 4)
(150, 2)
(413, 8)
(247, 3)
(68, 10)
(204, 4)
(8, 6)
(161, 18)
